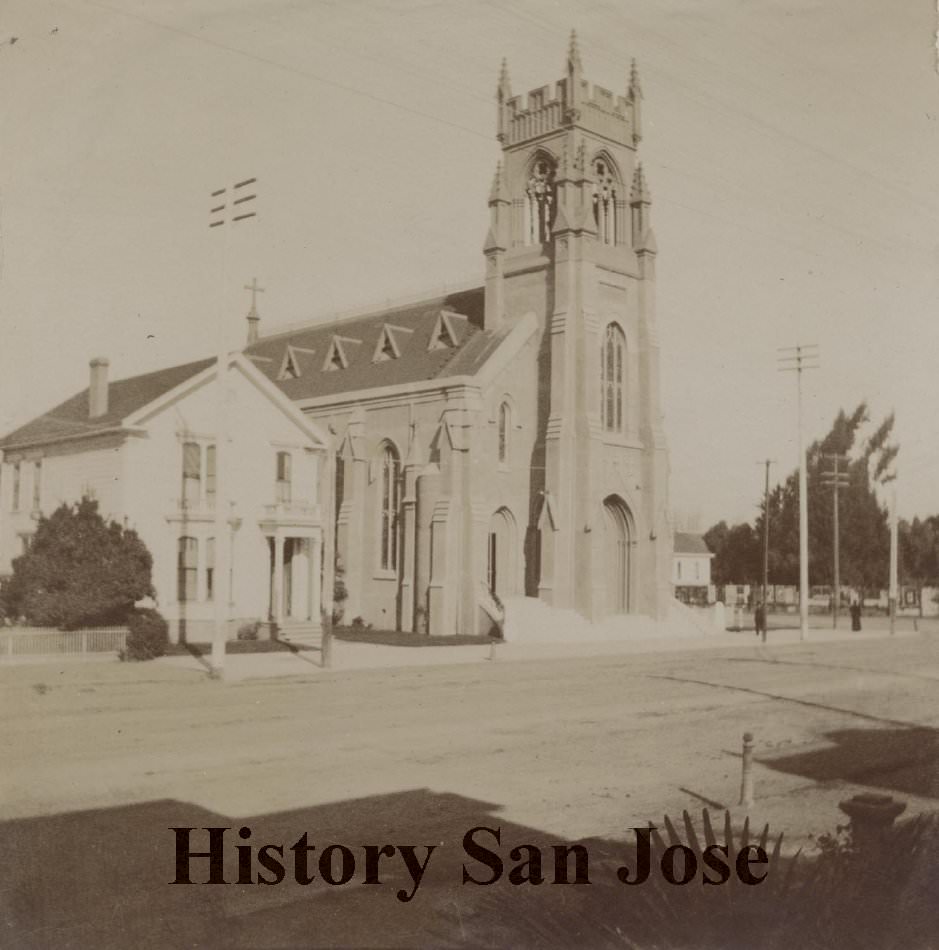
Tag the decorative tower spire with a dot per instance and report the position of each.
(639, 200)
(503, 94)
(634, 95)
(639, 191)
(575, 72)
(505, 84)
(497, 241)
(498, 193)
(573, 55)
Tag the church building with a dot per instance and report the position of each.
(506, 441)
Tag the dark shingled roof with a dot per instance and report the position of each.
(416, 362)
(690, 543)
(125, 396)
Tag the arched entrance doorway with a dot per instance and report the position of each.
(616, 555)
(502, 554)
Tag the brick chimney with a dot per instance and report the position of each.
(98, 387)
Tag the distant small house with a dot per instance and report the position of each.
(691, 568)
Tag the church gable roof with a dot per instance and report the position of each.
(391, 347)
(70, 419)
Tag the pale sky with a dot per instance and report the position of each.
(792, 151)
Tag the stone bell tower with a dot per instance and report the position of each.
(570, 238)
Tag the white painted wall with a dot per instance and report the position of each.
(691, 570)
(138, 481)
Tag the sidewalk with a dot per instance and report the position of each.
(347, 656)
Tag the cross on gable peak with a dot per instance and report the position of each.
(255, 290)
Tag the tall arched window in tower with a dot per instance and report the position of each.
(612, 360)
(540, 202)
(604, 201)
(389, 486)
(505, 422)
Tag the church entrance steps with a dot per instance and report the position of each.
(530, 620)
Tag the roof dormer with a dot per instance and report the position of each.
(389, 343)
(444, 334)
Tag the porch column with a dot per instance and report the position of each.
(278, 593)
(314, 546)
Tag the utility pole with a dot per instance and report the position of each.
(797, 359)
(835, 480)
(767, 463)
(230, 206)
(892, 593)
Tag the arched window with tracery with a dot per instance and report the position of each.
(612, 377)
(390, 500)
(540, 202)
(505, 424)
(604, 201)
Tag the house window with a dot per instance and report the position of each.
(389, 486)
(210, 475)
(187, 570)
(505, 421)
(37, 484)
(611, 379)
(209, 568)
(15, 503)
(192, 473)
(283, 477)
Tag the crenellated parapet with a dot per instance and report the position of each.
(545, 111)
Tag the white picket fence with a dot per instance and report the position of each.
(46, 641)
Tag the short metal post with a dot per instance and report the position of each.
(746, 781)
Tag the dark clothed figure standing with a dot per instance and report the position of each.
(855, 616)
(759, 618)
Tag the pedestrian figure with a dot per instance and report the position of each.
(855, 615)
(759, 617)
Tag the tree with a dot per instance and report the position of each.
(919, 551)
(737, 557)
(79, 570)
(864, 534)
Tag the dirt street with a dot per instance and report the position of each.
(101, 760)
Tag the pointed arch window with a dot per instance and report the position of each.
(389, 485)
(612, 372)
(604, 201)
(540, 202)
(505, 424)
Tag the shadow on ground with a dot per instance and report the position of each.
(904, 761)
(101, 879)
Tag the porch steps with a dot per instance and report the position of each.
(308, 633)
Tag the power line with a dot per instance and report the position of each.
(267, 61)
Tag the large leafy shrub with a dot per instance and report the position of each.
(147, 637)
(80, 570)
